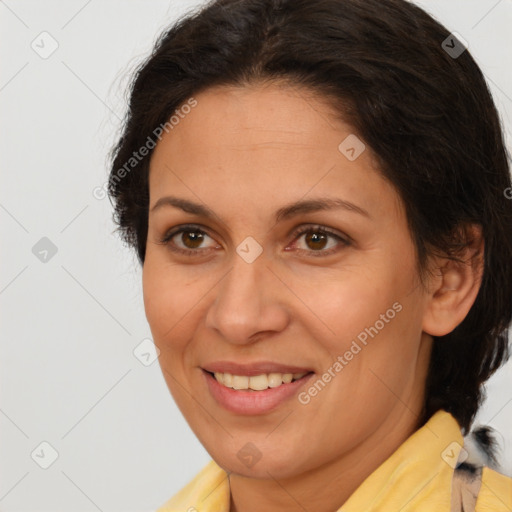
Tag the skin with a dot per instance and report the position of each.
(245, 152)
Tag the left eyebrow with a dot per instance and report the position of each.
(318, 204)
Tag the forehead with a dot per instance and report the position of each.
(265, 113)
(262, 142)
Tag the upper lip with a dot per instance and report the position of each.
(253, 369)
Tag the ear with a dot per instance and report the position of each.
(453, 286)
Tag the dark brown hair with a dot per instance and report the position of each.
(425, 112)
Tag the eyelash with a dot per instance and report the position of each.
(296, 234)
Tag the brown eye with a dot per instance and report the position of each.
(319, 241)
(192, 239)
(189, 240)
(315, 240)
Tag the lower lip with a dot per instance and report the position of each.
(253, 402)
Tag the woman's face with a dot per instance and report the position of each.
(295, 258)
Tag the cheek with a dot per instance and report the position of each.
(372, 319)
(170, 297)
(341, 305)
(172, 305)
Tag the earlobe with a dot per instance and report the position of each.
(454, 289)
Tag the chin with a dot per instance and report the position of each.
(251, 462)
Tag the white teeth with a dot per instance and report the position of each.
(275, 379)
(256, 382)
(227, 379)
(240, 382)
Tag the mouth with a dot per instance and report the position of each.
(255, 394)
(259, 382)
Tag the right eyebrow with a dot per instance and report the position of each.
(185, 205)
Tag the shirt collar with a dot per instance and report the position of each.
(417, 476)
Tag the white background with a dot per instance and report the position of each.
(68, 375)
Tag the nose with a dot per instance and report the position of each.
(249, 303)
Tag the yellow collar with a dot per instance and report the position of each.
(417, 476)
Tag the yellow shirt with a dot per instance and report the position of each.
(417, 477)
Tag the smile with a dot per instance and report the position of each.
(255, 394)
(256, 382)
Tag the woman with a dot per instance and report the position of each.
(316, 192)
